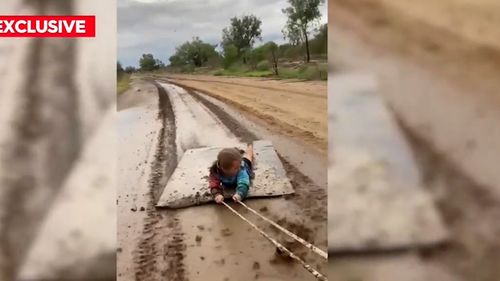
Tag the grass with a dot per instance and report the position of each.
(305, 72)
(123, 83)
(243, 73)
(311, 71)
(295, 70)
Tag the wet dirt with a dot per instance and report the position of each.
(143, 139)
(291, 244)
(227, 245)
(309, 194)
(198, 238)
(305, 158)
(226, 232)
(421, 66)
(30, 178)
(279, 103)
(460, 78)
(471, 211)
(246, 135)
(133, 98)
(44, 128)
(148, 262)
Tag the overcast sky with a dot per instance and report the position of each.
(158, 26)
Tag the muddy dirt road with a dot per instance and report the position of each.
(157, 122)
(442, 86)
(293, 108)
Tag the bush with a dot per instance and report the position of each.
(230, 55)
(263, 65)
(259, 73)
(304, 68)
(187, 68)
(238, 67)
(123, 83)
(306, 71)
(316, 72)
(219, 72)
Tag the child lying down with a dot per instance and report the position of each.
(232, 169)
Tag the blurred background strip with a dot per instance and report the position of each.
(435, 67)
(57, 104)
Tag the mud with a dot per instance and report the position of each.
(280, 106)
(44, 126)
(256, 266)
(146, 256)
(198, 239)
(413, 58)
(308, 195)
(471, 211)
(226, 232)
(299, 229)
(133, 99)
(304, 156)
(461, 78)
(230, 122)
(30, 130)
(216, 240)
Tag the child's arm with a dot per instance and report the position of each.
(214, 184)
(243, 183)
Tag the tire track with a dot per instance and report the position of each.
(162, 248)
(160, 251)
(43, 141)
(309, 197)
(299, 93)
(474, 250)
(278, 126)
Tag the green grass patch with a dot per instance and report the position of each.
(305, 72)
(313, 71)
(259, 73)
(242, 72)
(123, 83)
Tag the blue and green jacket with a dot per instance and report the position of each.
(217, 180)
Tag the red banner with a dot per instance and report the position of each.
(47, 26)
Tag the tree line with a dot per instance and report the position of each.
(239, 38)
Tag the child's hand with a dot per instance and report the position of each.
(219, 198)
(236, 197)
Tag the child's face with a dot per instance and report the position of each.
(233, 170)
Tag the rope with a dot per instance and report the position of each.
(302, 241)
(309, 268)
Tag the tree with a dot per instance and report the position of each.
(195, 53)
(269, 52)
(159, 64)
(319, 44)
(176, 60)
(119, 69)
(256, 55)
(273, 51)
(149, 63)
(230, 54)
(242, 33)
(301, 17)
(130, 69)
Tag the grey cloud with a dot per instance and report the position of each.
(158, 26)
